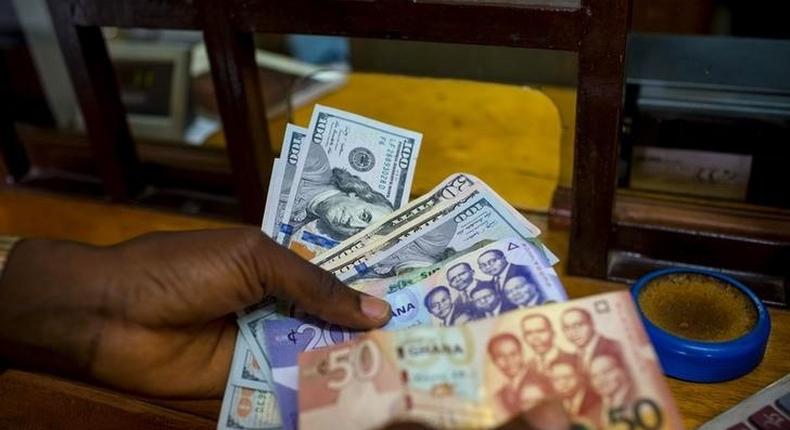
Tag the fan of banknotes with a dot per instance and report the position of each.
(481, 326)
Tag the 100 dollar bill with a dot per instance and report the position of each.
(251, 327)
(275, 182)
(356, 171)
(591, 353)
(245, 370)
(248, 409)
(293, 150)
(249, 402)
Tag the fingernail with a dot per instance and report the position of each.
(374, 308)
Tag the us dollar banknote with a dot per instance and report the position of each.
(450, 188)
(593, 354)
(251, 327)
(272, 194)
(356, 171)
(245, 370)
(248, 409)
(249, 401)
(293, 150)
(478, 218)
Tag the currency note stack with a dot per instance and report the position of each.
(458, 254)
(333, 179)
(338, 196)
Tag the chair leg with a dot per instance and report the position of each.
(97, 90)
(235, 74)
(598, 111)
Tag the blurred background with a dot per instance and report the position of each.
(706, 115)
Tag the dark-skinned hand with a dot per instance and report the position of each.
(151, 315)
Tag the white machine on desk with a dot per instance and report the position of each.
(767, 410)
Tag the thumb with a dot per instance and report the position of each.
(285, 275)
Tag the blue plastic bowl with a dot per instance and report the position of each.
(699, 361)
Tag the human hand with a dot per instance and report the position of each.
(546, 415)
(150, 315)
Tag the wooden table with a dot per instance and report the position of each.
(31, 400)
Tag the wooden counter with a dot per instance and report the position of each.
(30, 400)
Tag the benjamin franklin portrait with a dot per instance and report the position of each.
(333, 202)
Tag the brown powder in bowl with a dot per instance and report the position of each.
(698, 307)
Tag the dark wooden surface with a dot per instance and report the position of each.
(598, 107)
(714, 216)
(97, 91)
(652, 231)
(524, 26)
(178, 177)
(34, 401)
(673, 16)
(177, 14)
(766, 256)
(206, 168)
(235, 74)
